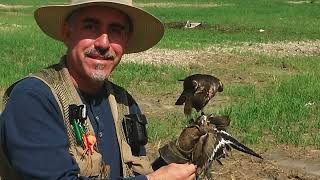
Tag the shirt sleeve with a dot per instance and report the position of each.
(140, 177)
(34, 135)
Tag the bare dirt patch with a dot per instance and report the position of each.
(303, 48)
(302, 2)
(210, 27)
(13, 10)
(227, 53)
(181, 57)
(13, 7)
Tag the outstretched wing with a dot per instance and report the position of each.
(224, 139)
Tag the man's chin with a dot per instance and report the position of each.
(98, 78)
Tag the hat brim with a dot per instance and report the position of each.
(147, 29)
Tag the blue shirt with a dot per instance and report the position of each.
(33, 134)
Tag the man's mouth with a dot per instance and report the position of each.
(94, 54)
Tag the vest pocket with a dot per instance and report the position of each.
(91, 165)
(138, 164)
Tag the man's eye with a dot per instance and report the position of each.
(116, 30)
(89, 27)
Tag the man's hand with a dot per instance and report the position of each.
(174, 171)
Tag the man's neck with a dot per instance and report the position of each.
(88, 86)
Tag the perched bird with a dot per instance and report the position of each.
(214, 143)
(198, 89)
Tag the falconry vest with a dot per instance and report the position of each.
(91, 165)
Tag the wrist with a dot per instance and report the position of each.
(150, 176)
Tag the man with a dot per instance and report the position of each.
(44, 132)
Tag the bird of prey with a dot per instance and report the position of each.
(198, 89)
(214, 143)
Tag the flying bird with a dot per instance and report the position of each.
(198, 89)
(214, 143)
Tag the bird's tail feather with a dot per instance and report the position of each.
(220, 89)
(237, 145)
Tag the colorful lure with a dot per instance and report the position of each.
(77, 118)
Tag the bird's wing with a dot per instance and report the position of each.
(188, 107)
(226, 139)
(182, 98)
(220, 88)
(220, 122)
(218, 149)
(199, 89)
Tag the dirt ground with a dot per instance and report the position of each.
(281, 162)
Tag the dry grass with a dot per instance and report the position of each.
(13, 7)
(301, 2)
(189, 57)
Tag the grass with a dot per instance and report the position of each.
(285, 108)
(32, 2)
(149, 79)
(166, 127)
(240, 21)
(25, 50)
(281, 110)
(275, 112)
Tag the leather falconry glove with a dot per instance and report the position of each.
(181, 150)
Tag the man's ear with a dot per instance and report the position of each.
(66, 33)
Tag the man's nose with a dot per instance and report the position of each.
(102, 44)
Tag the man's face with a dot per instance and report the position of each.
(96, 38)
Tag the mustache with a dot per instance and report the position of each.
(94, 53)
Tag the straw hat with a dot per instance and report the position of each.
(147, 29)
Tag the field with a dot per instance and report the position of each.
(266, 52)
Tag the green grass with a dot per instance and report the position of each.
(273, 112)
(240, 21)
(281, 108)
(166, 128)
(25, 53)
(149, 79)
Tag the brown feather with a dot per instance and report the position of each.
(203, 151)
(199, 89)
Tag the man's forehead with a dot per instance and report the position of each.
(101, 12)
